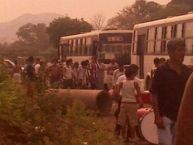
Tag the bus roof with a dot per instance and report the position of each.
(94, 33)
(168, 20)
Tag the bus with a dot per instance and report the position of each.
(104, 44)
(150, 40)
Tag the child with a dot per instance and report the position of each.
(131, 98)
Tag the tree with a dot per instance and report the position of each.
(34, 35)
(66, 26)
(98, 21)
(186, 2)
(42, 36)
(140, 11)
(172, 10)
(26, 33)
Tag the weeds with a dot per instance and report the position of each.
(46, 120)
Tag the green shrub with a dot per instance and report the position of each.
(47, 121)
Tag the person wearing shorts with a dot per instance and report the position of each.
(130, 101)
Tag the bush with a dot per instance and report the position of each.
(45, 120)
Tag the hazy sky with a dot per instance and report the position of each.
(10, 9)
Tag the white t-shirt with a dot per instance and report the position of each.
(37, 68)
(121, 79)
(139, 81)
(116, 74)
(67, 73)
(128, 91)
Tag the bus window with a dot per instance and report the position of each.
(158, 40)
(159, 33)
(164, 32)
(150, 47)
(133, 44)
(150, 40)
(189, 29)
(94, 48)
(189, 46)
(163, 46)
(183, 30)
(174, 31)
(76, 47)
(81, 46)
(90, 50)
(158, 46)
(169, 28)
(179, 31)
(151, 34)
(163, 41)
(155, 38)
(65, 49)
(85, 50)
(141, 44)
(72, 48)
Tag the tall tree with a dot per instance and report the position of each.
(187, 2)
(173, 10)
(26, 33)
(66, 26)
(140, 11)
(98, 21)
(34, 35)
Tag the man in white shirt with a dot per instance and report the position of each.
(68, 75)
(37, 67)
(117, 73)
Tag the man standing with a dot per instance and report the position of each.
(30, 77)
(113, 65)
(54, 74)
(167, 89)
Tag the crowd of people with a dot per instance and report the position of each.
(88, 74)
(168, 79)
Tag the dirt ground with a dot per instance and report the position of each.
(110, 123)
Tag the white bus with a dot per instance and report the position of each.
(150, 40)
(105, 45)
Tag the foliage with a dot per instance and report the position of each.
(45, 120)
(11, 99)
(19, 48)
(140, 11)
(176, 9)
(66, 26)
(143, 11)
(34, 36)
(98, 21)
(179, 2)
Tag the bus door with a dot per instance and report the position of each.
(141, 44)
